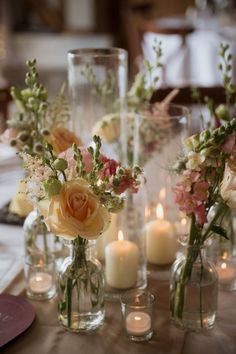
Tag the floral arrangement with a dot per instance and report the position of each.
(207, 172)
(38, 120)
(75, 192)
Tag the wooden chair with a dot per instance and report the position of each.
(136, 24)
(184, 96)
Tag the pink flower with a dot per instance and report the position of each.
(201, 215)
(200, 190)
(229, 144)
(191, 196)
(8, 135)
(126, 182)
(109, 168)
(87, 158)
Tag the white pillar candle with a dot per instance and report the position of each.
(107, 237)
(226, 273)
(121, 263)
(160, 240)
(40, 282)
(138, 323)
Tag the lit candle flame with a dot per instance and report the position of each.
(223, 266)
(38, 278)
(162, 194)
(225, 255)
(120, 235)
(183, 221)
(159, 211)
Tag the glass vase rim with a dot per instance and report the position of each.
(97, 52)
(130, 294)
(145, 111)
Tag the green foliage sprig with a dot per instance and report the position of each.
(221, 112)
(145, 82)
(36, 116)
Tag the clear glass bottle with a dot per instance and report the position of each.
(193, 290)
(81, 289)
(38, 239)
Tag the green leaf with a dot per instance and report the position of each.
(220, 231)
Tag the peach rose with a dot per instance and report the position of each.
(75, 211)
(62, 138)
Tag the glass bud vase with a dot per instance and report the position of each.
(193, 291)
(38, 239)
(81, 289)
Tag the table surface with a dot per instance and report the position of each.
(45, 336)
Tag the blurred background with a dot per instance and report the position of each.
(190, 31)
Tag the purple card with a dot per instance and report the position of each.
(16, 315)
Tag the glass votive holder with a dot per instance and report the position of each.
(226, 269)
(39, 270)
(137, 310)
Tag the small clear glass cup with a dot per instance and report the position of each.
(39, 270)
(137, 311)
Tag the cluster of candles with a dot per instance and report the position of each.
(121, 256)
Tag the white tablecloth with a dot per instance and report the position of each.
(11, 237)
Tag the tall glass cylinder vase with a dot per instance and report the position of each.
(97, 89)
(155, 137)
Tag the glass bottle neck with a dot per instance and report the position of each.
(196, 252)
(80, 250)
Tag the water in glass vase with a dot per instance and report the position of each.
(193, 292)
(192, 317)
(81, 291)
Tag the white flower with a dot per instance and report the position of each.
(194, 160)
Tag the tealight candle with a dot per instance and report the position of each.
(226, 273)
(40, 282)
(138, 323)
(121, 263)
(137, 310)
(160, 240)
